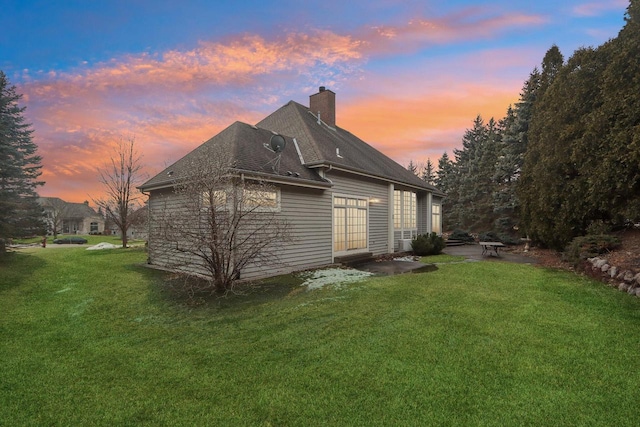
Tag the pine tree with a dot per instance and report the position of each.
(551, 65)
(615, 186)
(428, 173)
(513, 146)
(445, 181)
(412, 167)
(473, 191)
(20, 214)
(444, 175)
(567, 141)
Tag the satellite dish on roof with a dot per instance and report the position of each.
(277, 143)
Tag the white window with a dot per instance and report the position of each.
(405, 208)
(218, 199)
(436, 220)
(256, 200)
(397, 209)
(261, 199)
(349, 223)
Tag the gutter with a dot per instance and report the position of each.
(332, 166)
(298, 182)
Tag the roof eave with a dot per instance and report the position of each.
(343, 168)
(279, 179)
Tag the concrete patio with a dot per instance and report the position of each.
(472, 252)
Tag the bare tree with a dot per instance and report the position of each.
(217, 222)
(120, 179)
(57, 210)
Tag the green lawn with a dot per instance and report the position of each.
(92, 239)
(91, 338)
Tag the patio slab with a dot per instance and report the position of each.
(474, 252)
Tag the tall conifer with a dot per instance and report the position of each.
(20, 215)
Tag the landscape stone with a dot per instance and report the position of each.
(599, 262)
(605, 268)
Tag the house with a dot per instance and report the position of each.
(340, 196)
(71, 218)
(137, 228)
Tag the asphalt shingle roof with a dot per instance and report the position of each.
(71, 210)
(318, 145)
(322, 144)
(247, 145)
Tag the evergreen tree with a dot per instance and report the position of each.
(581, 165)
(20, 214)
(475, 166)
(513, 146)
(554, 189)
(445, 181)
(412, 167)
(615, 185)
(428, 173)
(551, 65)
(484, 183)
(445, 172)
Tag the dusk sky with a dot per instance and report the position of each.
(409, 76)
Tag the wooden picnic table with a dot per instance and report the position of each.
(489, 247)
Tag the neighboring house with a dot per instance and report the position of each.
(138, 228)
(340, 196)
(71, 218)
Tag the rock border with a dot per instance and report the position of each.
(624, 280)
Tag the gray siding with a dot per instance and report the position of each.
(424, 214)
(378, 212)
(308, 215)
(164, 204)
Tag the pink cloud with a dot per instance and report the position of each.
(469, 24)
(597, 8)
(173, 101)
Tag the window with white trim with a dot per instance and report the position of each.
(217, 199)
(349, 223)
(436, 220)
(405, 208)
(397, 209)
(256, 200)
(263, 200)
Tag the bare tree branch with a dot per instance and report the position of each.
(215, 223)
(120, 179)
(58, 209)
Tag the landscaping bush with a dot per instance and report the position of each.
(489, 236)
(598, 227)
(509, 239)
(427, 244)
(458, 234)
(584, 247)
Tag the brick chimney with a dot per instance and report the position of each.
(324, 103)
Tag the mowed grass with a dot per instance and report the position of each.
(92, 338)
(92, 239)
